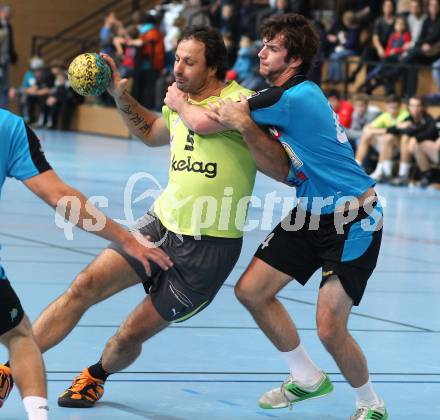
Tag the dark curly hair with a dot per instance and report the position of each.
(215, 50)
(299, 36)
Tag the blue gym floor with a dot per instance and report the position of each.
(217, 364)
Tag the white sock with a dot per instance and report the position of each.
(404, 169)
(366, 396)
(379, 170)
(387, 166)
(36, 408)
(301, 366)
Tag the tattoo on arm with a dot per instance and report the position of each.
(137, 120)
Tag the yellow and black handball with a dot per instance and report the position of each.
(89, 74)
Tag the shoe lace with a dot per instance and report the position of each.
(81, 382)
(4, 376)
(287, 381)
(359, 413)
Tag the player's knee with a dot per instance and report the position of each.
(83, 289)
(245, 293)
(241, 292)
(330, 330)
(22, 330)
(128, 340)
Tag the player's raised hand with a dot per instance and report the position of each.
(118, 85)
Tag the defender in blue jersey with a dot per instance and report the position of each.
(336, 225)
(22, 158)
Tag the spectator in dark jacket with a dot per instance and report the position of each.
(416, 128)
(374, 50)
(348, 45)
(398, 43)
(426, 50)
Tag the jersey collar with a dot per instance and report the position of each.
(294, 80)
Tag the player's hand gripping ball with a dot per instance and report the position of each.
(89, 74)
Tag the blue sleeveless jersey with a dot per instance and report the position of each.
(21, 156)
(323, 168)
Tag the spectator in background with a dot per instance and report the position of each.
(231, 53)
(425, 51)
(229, 20)
(375, 51)
(398, 43)
(33, 92)
(375, 135)
(247, 13)
(127, 44)
(255, 81)
(8, 55)
(18, 94)
(366, 11)
(427, 155)
(315, 72)
(194, 14)
(244, 63)
(403, 6)
(301, 6)
(347, 44)
(418, 127)
(343, 109)
(361, 116)
(137, 18)
(434, 98)
(415, 20)
(107, 33)
(151, 63)
(61, 100)
(56, 94)
(277, 7)
(170, 41)
(171, 11)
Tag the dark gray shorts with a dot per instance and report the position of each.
(200, 268)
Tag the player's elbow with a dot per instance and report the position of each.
(58, 193)
(201, 127)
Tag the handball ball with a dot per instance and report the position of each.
(89, 74)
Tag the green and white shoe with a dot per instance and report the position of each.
(291, 392)
(376, 412)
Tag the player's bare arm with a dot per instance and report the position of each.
(51, 189)
(195, 117)
(268, 153)
(142, 123)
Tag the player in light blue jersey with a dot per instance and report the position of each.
(322, 161)
(21, 158)
(336, 225)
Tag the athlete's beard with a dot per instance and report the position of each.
(272, 75)
(182, 86)
(189, 87)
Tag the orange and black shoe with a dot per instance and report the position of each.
(6, 383)
(83, 393)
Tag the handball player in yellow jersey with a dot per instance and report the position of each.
(197, 220)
